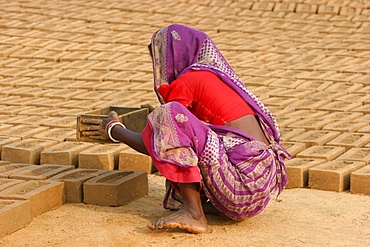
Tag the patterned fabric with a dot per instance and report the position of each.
(178, 49)
(239, 174)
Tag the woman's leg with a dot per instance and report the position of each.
(190, 217)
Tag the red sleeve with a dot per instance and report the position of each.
(177, 91)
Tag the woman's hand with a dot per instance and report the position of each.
(96, 129)
(113, 117)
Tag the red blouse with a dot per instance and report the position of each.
(206, 96)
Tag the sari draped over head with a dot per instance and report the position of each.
(237, 173)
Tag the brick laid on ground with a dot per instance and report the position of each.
(322, 152)
(357, 154)
(65, 153)
(6, 183)
(333, 175)
(297, 171)
(360, 181)
(73, 182)
(8, 170)
(14, 214)
(26, 151)
(40, 172)
(132, 160)
(101, 156)
(116, 188)
(42, 195)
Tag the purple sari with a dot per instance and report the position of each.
(238, 174)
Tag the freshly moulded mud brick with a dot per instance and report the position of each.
(285, 121)
(134, 119)
(5, 183)
(350, 140)
(340, 106)
(65, 153)
(132, 160)
(42, 195)
(14, 214)
(345, 126)
(311, 123)
(23, 131)
(26, 151)
(4, 162)
(357, 154)
(316, 137)
(7, 170)
(304, 114)
(297, 171)
(57, 134)
(333, 175)
(350, 116)
(102, 157)
(322, 152)
(40, 172)
(293, 148)
(73, 182)
(288, 133)
(360, 181)
(115, 188)
(308, 104)
(5, 140)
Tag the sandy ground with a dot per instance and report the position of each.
(301, 217)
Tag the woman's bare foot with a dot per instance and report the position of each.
(182, 219)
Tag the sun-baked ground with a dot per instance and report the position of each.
(300, 217)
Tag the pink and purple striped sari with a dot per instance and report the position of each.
(237, 173)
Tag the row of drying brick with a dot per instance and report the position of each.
(335, 175)
(76, 154)
(27, 191)
(328, 145)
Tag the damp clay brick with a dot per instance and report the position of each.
(7, 170)
(365, 129)
(41, 172)
(304, 114)
(345, 126)
(23, 131)
(322, 152)
(350, 116)
(4, 140)
(357, 154)
(61, 122)
(14, 214)
(364, 109)
(57, 134)
(6, 183)
(73, 182)
(350, 140)
(284, 122)
(293, 148)
(316, 137)
(130, 159)
(115, 188)
(341, 106)
(4, 162)
(360, 181)
(297, 171)
(333, 175)
(134, 119)
(101, 156)
(308, 104)
(26, 151)
(65, 153)
(311, 123)
(42, 195)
